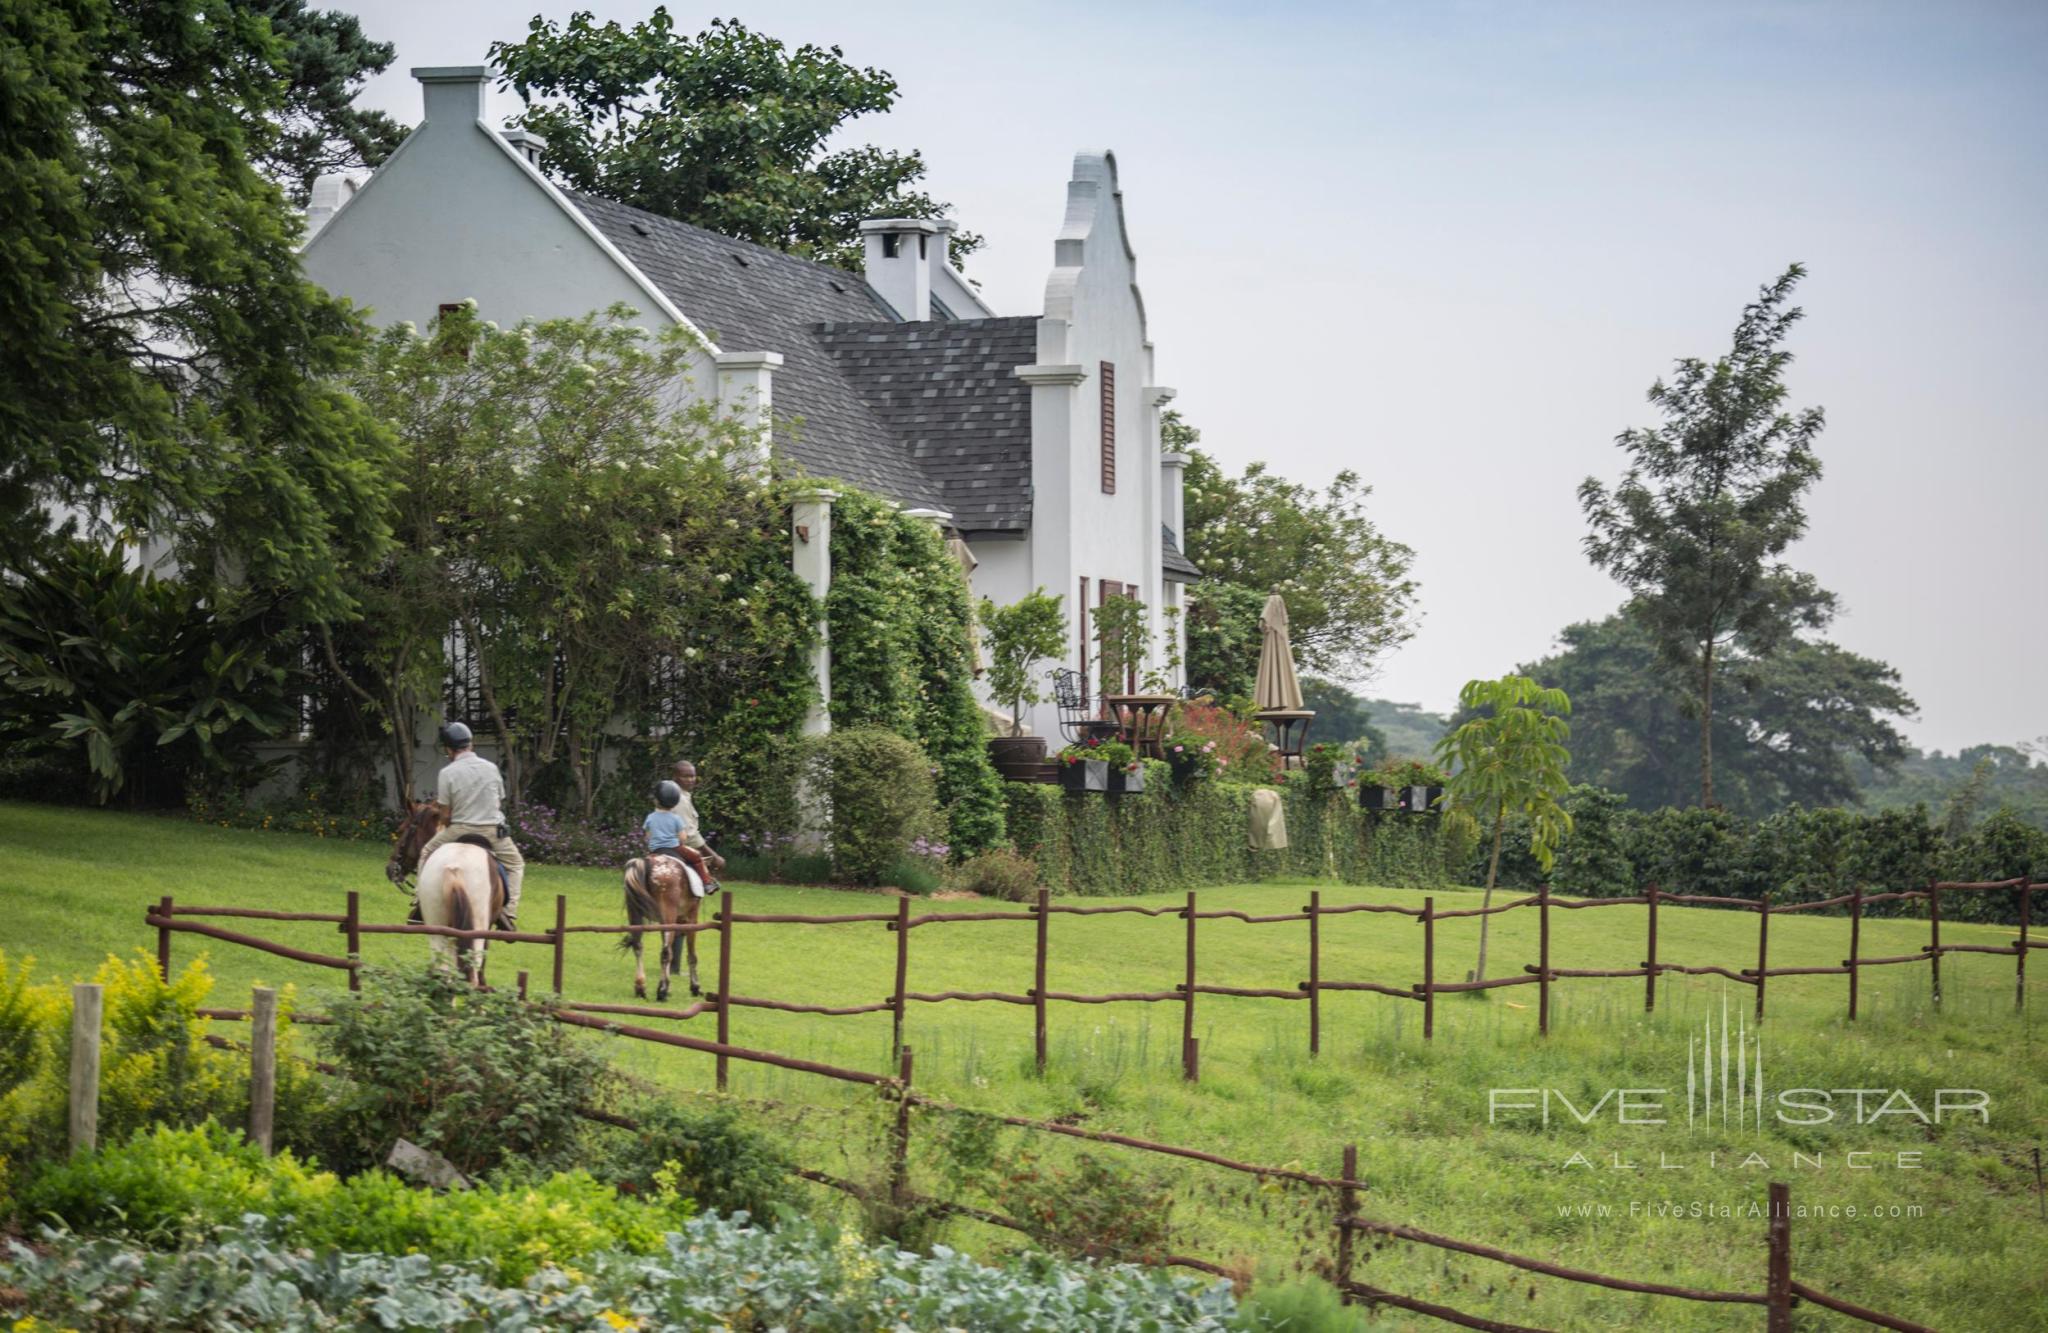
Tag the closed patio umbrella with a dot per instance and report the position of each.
(1277, 689)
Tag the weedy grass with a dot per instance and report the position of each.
(1947, 1234)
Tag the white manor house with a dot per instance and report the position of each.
(1034, 439)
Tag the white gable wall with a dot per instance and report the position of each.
(456, 213)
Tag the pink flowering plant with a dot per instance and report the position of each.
(1116, 754)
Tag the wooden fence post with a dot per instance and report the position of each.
(1855, 944)
(1650, 963)
(85, 1065)
(1347, 1208)
(353, 928)
(1778, 1290)
(901, 925)
(1763, 951)
(1315, 972)
(899, 1146)
(2019, 998)
(1428, 969)
(561, 938)
(1543, 960)
(522, 988)
(1187, 1021)
(163, 938)
(262, 1065)
(724, 981)
(1934, 944)
(1038, 976)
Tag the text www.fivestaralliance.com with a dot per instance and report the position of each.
(1704, 1209)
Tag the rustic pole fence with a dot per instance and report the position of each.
(725, 924)
(1934, 937)
(2019, 998)
(901, 925)
(561, 939)
(1650, 963)
(1347, 1207)
(1763, 952)
(1856, 945)
(1187, 1022)
(1428, 987)
(86, 1007)
(1038, 977)
(1778, 1288)
(1543, 960)
(263, 1064)
(164, 908)
(899, 1141)
(1315, 972)
(353, 929)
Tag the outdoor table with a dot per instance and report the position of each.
(1289, 727)
(1141, 721)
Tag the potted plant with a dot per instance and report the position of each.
(1126, 772)
(1409, 786)
(1082, 767)
(1192, 757)
(1016, 638)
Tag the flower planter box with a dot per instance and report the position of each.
(1085, 775)
(1017, 758)
(1420, 800)
(1130, 784)
(1379, 798)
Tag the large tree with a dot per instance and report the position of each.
(326, 59)
(1349, 598)
(164, 368)
(726, 130)
(1801, 723)
(1698, 525)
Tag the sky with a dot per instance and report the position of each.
(1450, 245)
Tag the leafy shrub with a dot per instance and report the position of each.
(172, 1185)
(1303, 1305)
(712, 1273)
(1092, 1209)
(1240, 754)
(1000, 872)
(1398, 773)
(880, 789)
(559, 838)
(477, 1076)
(361, 815)
(710, 1155)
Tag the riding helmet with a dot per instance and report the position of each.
(667, 795)
(454, 735)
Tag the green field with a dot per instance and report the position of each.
(74, 886)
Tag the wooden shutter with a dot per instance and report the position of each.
(1081, 616)
(1108, 428)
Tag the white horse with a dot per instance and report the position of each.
(457, 887)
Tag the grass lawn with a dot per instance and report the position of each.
(1963, 1250)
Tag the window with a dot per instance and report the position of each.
(1108, 428)
(1106, 589)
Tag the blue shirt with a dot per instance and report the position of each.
(664, 829)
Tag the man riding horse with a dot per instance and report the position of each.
(470, 797)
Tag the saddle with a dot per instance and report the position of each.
(694, 859)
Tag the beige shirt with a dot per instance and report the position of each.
(686, 810)
(473, 790)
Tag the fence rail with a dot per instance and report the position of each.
(168, 918)
(1780, 1296)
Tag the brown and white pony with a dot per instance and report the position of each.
(661, 890)
(457, 886)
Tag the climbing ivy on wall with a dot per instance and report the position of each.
(899, 618)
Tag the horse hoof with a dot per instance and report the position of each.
(661, 996)
(639, 992)
(694, 989)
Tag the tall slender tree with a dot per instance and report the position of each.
(1698, 525)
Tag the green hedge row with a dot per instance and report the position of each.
(1171, 838)
(1796, 855)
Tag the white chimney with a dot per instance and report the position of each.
(899, 263)
(453, 92)
(525, 143)
(942, 249)
(330, 192)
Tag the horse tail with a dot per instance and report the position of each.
(456, 895)
(639, 903)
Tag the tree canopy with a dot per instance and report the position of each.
(1794, 725)
(1697, 527)
(726, 130)
(164, 368)
(326, 60)
(1349, 596)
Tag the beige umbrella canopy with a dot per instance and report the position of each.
(1277, 688)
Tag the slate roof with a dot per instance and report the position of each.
(749, 298)
(1176, 567)
(949, 391)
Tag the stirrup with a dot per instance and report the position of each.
(413, 918)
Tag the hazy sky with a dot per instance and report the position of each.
(1450, 245)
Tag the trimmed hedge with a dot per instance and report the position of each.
(1172, 838)
(1796, 855)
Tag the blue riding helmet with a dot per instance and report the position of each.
(667, 795)
(455, 736)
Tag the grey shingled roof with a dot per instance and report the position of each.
(949, 390)
(1176, 567)
(748, 298)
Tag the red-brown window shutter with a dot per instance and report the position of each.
(1108, 428)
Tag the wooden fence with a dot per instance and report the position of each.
(1780, 1295)
(169, 918)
